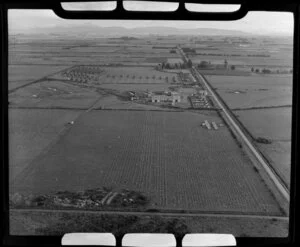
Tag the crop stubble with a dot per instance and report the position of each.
(168, 156)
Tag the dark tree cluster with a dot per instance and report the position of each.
(188, 50)
(204, 64)
(189, 64)
(268, 71)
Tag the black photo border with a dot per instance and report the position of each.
(179, 14)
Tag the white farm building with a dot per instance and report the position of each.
(173, 97)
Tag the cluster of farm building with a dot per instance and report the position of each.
(156, 97)
(196, 100)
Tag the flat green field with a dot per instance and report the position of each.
(31, 131)
(135, 75)
(273, 124)
(68, 52)
(253, 91)
(138, 87)
(19, 75)
(168, 156)
(53, 94)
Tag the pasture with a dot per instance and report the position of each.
(68, 52)
(271, 123)
(253, 91)
(136, 75)
(168, 156)
(257, 52)
(53, 94)
(275, 125)
(19, 75)
(31, 131)
(279, 155)
(137, 87)
(117, 75)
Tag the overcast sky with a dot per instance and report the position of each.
(254, 22)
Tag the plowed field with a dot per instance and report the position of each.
(168, 156)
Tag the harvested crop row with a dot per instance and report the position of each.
(168, 156)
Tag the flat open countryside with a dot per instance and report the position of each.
(20, 75)
(31, 131)
(263, 105)
(176, 166)
(159, 121)
(53, 94)
(274, 125)
(253, 91)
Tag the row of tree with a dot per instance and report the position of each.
(184, 65)
(268, 71)
(208, 65)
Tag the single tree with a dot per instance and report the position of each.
(266, 71)
(203, 64)
(189, 63)
(225, 63)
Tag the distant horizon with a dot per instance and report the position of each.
(275, 24)
(227, 32)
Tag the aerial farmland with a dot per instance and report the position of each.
(263, 105)
(134, 123)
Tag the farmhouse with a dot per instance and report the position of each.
(173, 97)
(186, 77)
(202, 93)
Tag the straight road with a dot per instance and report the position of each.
(281, 187)
(217, 214)
(229, 115)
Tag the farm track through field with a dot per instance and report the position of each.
(38, 80)
(134, 83)
(109, 109)
(63, 132)
(151, 152)
(153, 166)
(43, 64)
(136, 213)
(47, 108)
